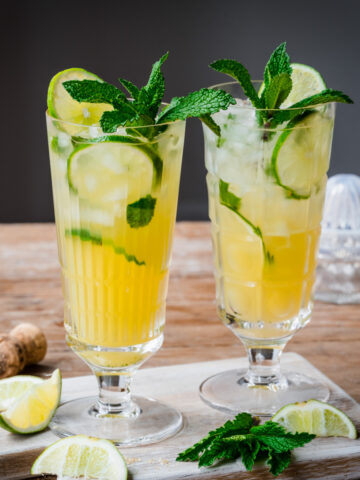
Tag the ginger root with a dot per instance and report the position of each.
(25, 344)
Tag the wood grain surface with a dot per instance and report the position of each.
(30, 290)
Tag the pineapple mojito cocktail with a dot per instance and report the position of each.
(267, 170)
(115, 207)
(266, 236)
(115, 167)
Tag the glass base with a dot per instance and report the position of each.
(149, 421)
(231, 392)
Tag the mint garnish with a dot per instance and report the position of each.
(140, 213)
(244, 438)
(142, 110)
(276, 88)
(233, 202)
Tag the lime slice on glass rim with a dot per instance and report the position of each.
(298, 161)
(306, 81)
(113, 168)
(62, 106)
(33, 410)
(315, 417)
(14, 387)
(82, 457)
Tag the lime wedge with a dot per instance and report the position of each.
(111, 170)
(14, 387)
(82, 457)
(318, 418)
(33, 410)
(306, 82)
(301, 155)
(62, 106)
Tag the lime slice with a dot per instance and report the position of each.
(315, 417)
(306, 82)
(14, 387)
(82, 457)
(33, 411)
(111, 170)
(301, 155)
(61, 105)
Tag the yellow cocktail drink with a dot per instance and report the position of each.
(115, 206)
(266, 211)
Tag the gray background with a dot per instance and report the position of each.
(117, 38)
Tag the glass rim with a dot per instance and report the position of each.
(251, 106)
(97, 125)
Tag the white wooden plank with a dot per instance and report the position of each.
(329, 458)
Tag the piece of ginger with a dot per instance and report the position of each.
(25, 344)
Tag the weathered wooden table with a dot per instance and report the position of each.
(30, 290)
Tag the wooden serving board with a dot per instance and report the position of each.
(323, 458)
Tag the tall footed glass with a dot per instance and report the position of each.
(115, 200)
(266, 192)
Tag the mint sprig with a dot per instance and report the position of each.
(142, 110)
(276, 88)
(243, 438)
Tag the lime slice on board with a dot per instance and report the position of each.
(306, 82)
(14, 387)
(301, 154)
(112, 170)
(34, 409)
(61, 105)
(318, 418)
(82, 457)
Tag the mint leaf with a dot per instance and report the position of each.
(279, 62)
(249, 451)
(278, 462)
(110, 121)
(87, 236)
(140, 213)
(278, 90)
(326, 96)
(210, 123)
(275, 437)
(231, 201)
(196, 104)
(227, 198)
(239, 73)
(130, 87)
(155, 88)
(94, 91)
